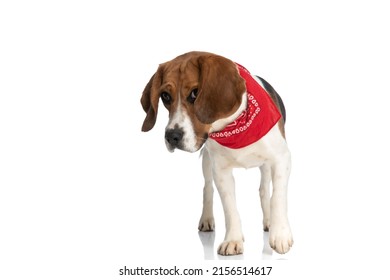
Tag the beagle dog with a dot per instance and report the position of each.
(239, 120)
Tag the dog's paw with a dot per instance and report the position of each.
(280, 238)
(231, 248)
(206, 224)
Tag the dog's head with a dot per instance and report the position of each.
(199, 90)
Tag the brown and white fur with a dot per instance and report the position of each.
(204, 92)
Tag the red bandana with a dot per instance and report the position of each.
(259, 117)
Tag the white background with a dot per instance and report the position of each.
(83, 192)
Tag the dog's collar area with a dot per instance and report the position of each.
(242, 122)
(254, 122)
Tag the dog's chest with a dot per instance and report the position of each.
(247, 157)
(248, 160)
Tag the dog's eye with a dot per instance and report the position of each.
(166, 97)
(193, 95)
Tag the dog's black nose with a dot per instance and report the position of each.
(174, 136)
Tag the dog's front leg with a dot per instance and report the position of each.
(280, 237)
(233, 243)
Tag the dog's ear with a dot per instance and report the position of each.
(220, 88)
(149, 100)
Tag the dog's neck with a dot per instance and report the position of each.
(222, 123)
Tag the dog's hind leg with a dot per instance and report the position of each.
(206, 222)
(264, 191)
